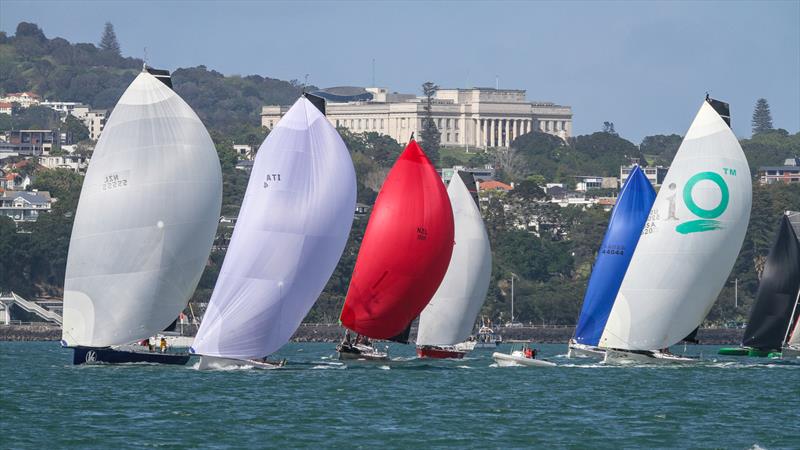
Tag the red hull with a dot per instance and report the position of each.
(439, 353)
(405, 251)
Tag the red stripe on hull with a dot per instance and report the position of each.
(439, 353)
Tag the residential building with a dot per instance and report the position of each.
(25, 99)
(655, 174)
(6, 108)
(75, 163)
(95, 121)
(24, 206)
(789, 172)
(245, 164)
(494, 185)
(30, 142)
(485, 173)
(471, 118)
(243, 151)
(63, 107)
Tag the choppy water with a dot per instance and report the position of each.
(723, 402)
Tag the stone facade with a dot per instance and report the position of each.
(471, 118)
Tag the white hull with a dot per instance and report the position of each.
(466, 346)
(585, 351)
(486, 345)
(217, 363)
(516, 359)
(790, 352)
(614, 356)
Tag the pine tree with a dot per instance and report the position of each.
(762, 118)
(109, 40)
(430, 137)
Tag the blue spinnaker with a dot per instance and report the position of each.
(624, 229)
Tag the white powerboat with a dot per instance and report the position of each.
(518, 358)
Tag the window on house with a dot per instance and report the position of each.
(448, 138)
(455, 123)
(447, 123)
(456, 137)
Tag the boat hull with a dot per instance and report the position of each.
(790, 352)
(615, 356)
(506, 360)
(759, 353)
(89, 355)
(217, 363)
(360, 353)
(430, 351)
(734, 351)
(585, 351)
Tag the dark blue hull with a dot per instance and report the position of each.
(89, 355)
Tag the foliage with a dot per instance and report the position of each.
(429, 136)
(770, 148)
(108, 42)
(660, 149)
(75, 128)
(608, 127)
(32, 118)
(762, 118)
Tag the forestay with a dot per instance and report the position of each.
(289, 236)
(449, 317)
(690, 241)
(145, 222)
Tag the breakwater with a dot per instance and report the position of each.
(334, 332)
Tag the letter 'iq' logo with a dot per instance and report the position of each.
(707, 221)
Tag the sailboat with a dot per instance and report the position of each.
(144, 226)
(450, 316)
(688, 246)
(774, 311)
(291, 231)
(403, 257)
(624, 229)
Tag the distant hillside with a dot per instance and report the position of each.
(59, 70)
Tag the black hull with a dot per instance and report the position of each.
(88, 355)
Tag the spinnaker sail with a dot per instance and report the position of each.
(145, 222)
(624, 229)
(405, 251)
(450, 316)
(772, 311)
(289, 236)
(690, 242)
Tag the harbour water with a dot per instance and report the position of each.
(722, 402)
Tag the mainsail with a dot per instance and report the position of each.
(690, 241)
(772, 311)
(624, 228)
(291, 232)
(449, 317)
(145, 222)
(405, 251)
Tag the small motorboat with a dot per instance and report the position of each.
(525, 356)
(440, 352)
(361, 352)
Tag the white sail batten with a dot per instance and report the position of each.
(449, 317)
(289, 236)
(690, 241)
(145, 222)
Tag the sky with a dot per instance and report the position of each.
(645, 66)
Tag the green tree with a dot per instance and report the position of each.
(430, 137)
(762, 118)
(75, 128)
(108, 41)
(660, 149)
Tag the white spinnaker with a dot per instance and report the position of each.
(675, 277)
(291, 232)
(449, 317)
(146, 219)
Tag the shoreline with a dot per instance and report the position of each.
(334, 333)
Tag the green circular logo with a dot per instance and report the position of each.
(698, 211)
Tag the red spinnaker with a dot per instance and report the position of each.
(405, 252)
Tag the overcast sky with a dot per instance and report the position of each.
(643, 65)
